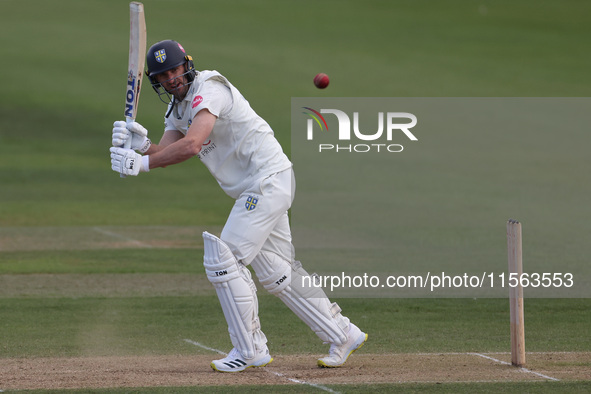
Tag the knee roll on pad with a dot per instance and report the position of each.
(237, 294)
(273, 272)
(311, 305)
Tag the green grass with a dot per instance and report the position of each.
(103, 261)
(55, 167)
(117, 326)
(63, 79)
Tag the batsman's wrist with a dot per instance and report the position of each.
(145, 164)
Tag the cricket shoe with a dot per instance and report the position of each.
(234, 362)
(338, 354)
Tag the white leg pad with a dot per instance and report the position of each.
(237, 294)
(311, 305)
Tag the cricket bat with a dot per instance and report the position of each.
(137, 60)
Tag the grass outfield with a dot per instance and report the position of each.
(143, 325)
(96, 268)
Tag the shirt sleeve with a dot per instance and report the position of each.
(215, 97)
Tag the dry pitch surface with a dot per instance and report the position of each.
(154, 371)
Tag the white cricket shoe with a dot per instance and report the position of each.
(234, 362)
(338, 354)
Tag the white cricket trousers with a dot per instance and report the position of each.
(258, 221)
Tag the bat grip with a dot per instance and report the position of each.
(127, 144)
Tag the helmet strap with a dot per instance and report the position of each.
(171, 107)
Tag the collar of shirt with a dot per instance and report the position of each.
(192, 90)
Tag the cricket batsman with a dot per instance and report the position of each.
(209, 118)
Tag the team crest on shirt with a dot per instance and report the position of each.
(251, 203)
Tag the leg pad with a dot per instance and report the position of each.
(237, 294)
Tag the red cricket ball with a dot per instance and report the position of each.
(321, 80)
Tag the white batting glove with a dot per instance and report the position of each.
(122, 131)
(127, 162)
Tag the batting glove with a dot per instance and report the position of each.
(122, 131)
(127, 162)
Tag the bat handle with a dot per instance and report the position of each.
(127, 144)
